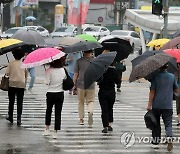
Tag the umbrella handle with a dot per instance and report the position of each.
(44, 67)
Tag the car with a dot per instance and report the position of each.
(58, 32)
(43, 31)
(8, 33)
(132, 36)
(64, 31)
(96, 31)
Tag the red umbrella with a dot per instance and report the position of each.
(175, 53)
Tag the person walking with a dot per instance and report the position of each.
(163, 84)
(84, 94)
(71, 60)
(106, 96)
(178, 94)
(28, 49)
(55, 95)
(17, 84)
(120, 67)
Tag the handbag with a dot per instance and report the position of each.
(4, 83)
(68, 82)
(150, 120)
(120, 67)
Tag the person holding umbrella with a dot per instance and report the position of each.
(55, 94)
(107, 95)
(17, 84)
(84, 94)
(163, 84)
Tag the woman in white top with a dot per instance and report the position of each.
(55, 94)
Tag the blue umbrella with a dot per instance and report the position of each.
(30, 18)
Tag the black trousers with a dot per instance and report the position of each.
(120, 78)
(55, 99)
(106, 100)
(12, 93)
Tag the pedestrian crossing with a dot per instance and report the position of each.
(129, 110)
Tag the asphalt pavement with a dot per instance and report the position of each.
(129, 132)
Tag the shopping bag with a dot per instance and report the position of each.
(4, 83)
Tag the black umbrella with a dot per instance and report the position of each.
(97, 67)
(29, 37)
(82, 46)
(112, 43)
(172, 63)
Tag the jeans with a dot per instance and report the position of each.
(32, 75)
(55, 99)
(12, 92)
(106, 100)
(167, 119)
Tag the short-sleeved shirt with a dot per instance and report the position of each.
(80, 68)
(164, 84)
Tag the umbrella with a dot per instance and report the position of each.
(42, 56)
(82, 46)
(97, 67)
(148, 66)
(175, 53)
(87, 37)
(113, 43)
(174, 43)
(9, 44)
(52, 41)
(29, 37)
(158, 42)
(66, 41)
(176, 34)
(30, 18)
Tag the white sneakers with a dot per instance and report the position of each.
(47, 133)
(155, 146)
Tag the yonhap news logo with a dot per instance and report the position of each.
(128, 139)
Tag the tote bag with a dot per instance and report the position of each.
(150, 120)
(68, 82)
(4, 83)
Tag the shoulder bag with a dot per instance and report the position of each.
(4, 83)
(68, 82)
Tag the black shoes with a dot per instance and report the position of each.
(178, 124)
(9, 119)
(19, 122)
(110, 128)
(105, 130)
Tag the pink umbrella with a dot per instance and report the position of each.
(175, 53)
(42, 56)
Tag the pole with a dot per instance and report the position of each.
(79, 26)
(2, 24)
(166, 11)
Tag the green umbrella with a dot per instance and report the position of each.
(87, 37)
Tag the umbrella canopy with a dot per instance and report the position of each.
(30, 18)
(82, 46)
(53, 41)
(113, 43)
(148, 66)
(42, 56)
(87, 37)
(29, 37)
(158, 42)
(172, 67)
(67, 41)
(174, 43)
(175, 53)
(9, 44)
(97, 67)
